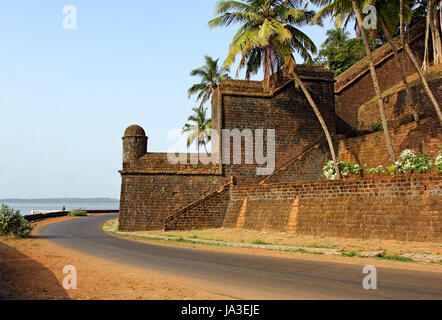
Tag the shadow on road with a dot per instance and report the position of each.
(22, 278)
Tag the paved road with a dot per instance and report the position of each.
(244, 276)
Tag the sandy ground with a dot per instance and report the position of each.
(32, 269)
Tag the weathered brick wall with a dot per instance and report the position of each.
(397, 109)
(354, 87)
(208, 212)
(243, 105)
(146, 199)
(371, 149)
(404, 207)
(306, 167)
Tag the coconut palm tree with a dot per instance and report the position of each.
(267, 38)
(336, 37)
(415, 63)
(337, 9)
(199, 128)
(211, 76)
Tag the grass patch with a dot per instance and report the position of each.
(349, 253)
(321, 246)
(395, 257)
(300, 250)
(258, 241)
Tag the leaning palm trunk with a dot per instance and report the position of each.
(401, 71)
(375, 81)
(435, 34)
(401, 21)
(321, 120)
(419, 71)
(425, 83)
(426, 62)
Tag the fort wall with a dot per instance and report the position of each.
(405, 207)
(354, 87)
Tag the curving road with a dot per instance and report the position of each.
(244, 276)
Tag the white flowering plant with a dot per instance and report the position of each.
(412, 162)
(438, 163)
(379, 170)
(347, 169)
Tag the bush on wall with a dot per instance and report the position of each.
(77, 213)
(409, 162)
(347, 169)
(13, 223)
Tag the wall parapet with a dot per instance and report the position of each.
(381, 54)
(255, 88)
(158, 163)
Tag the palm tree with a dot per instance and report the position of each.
(211, 76)
(268, 36)
(264, 21)
(199, 128)
(338, 9)
(416, 64)
(337, 37)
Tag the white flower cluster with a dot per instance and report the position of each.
(347, 169)
(409, 161)
(329, 170)
(438, 162)
(377, 170)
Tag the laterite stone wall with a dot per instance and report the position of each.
(207, 213)
(372, 150)
(146, 199)
(354, 87)
(404, 207)
(244, 105)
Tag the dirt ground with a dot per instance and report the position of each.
(392, 247)
(232, 234)
(32, 269)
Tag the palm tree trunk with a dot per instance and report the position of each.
(266, 70)
(321, 120)
(437, 45)
(375, 82)
(426, 62)
(401, 71)
(425, 83)
(402, 21)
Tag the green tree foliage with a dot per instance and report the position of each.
(199, 128)
(211, 76)
(338, 52)
(268, 35)
(12, 223)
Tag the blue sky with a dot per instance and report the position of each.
(66, 96)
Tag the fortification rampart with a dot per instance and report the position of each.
(354, 87)
(402, 207)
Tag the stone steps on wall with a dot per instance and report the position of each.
(308, 150)
(172, 222)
